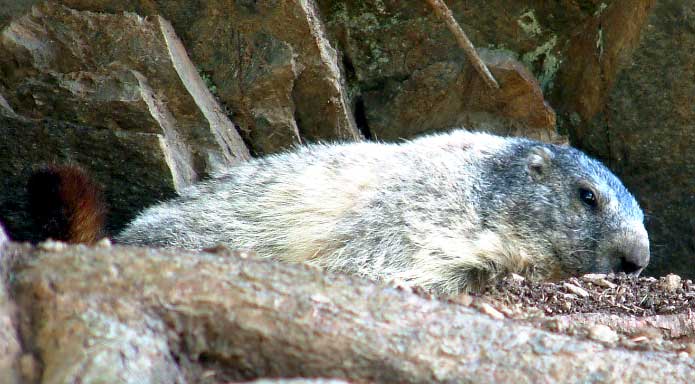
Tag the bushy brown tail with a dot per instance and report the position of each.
(66, 204)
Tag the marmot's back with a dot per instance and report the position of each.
(447, 211)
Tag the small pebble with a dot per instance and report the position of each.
(490, 311)
(463, 299)
(604, 333)
(400, 284)
(508, 312)
(208, 374)
(639, 339)
(103, 243)
(576, 290)
(649, 333)
(245, 253)
(670, 282)
(52, 246)
(598, 279)
(593, 276)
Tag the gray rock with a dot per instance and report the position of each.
(10, 348)
(269, 63)
(405, 67)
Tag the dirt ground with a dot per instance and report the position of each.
(643, 313)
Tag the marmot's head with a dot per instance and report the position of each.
(573, 211)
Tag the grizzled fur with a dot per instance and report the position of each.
(447, 212)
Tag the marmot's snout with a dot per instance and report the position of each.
(632, 252)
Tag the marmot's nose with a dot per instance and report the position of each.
(633, 258)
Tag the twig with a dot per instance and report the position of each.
(445, 14)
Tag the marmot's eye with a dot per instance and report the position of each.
(588, 197)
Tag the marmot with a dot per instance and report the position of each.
(448, 212)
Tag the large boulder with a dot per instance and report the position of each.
(410, 77)
(269, 62)
(136, 315)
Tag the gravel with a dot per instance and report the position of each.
(612, 294)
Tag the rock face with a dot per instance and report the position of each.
(645, 133)
(409, 74)
(74, 66)
(114, 93)
(283, 84)
(269, 62)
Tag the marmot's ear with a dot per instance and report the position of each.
(539, 161)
